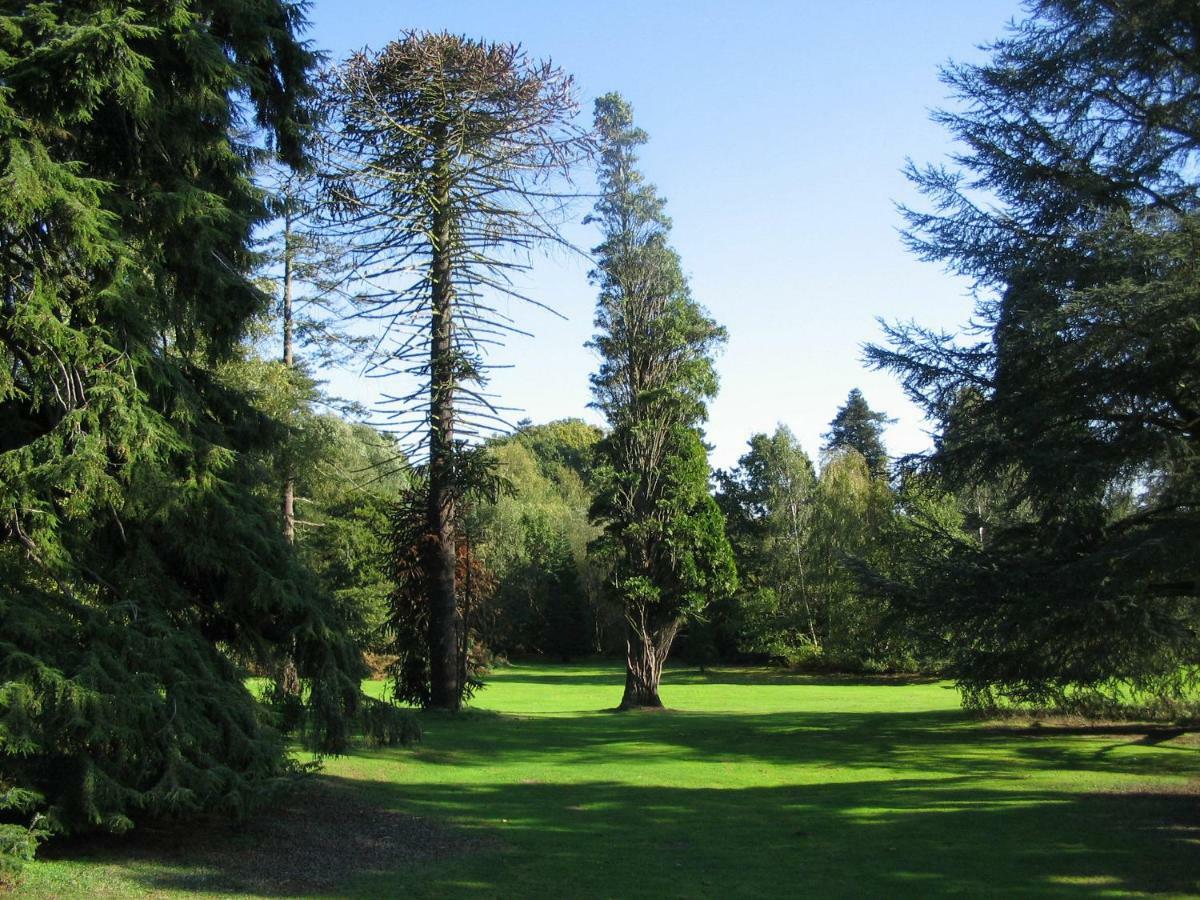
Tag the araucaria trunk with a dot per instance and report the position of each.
(646, 650)
(439, 551)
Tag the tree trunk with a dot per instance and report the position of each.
(288, 676)
(289, 483)
(439, 556)
(646, 649)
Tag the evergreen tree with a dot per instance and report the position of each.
(140, 561)
(442, 160)
(858, 427)
(656, 374)
(1078, 406)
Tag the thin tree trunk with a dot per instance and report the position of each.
(289, 483)
(445, 689)
(799, 552)
(646, 650)
(465, 616)
(289, 676)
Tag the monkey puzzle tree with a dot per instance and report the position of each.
(443, 170)
(656, 372)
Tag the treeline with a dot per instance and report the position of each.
(800, 537)
(196, 221)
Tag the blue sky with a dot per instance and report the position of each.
(777, 134)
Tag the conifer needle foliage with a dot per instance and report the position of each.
(656, 346)
(444, 167)
(139, 562)
(1073, 203)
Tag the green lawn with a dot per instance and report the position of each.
(752, 785)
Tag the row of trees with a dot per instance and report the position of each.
(1044, 545)
(796, 535)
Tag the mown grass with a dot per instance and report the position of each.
(753, 784)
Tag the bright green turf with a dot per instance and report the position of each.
(761, 785)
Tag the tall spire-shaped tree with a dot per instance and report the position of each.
(656, 373)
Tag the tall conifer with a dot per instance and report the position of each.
(656, 347)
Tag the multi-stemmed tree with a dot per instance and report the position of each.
(443, 169)
(656, 346)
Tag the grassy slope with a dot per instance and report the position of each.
(756, 785)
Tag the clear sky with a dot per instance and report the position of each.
(777, 134)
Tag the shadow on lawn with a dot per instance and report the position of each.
(874, 803)
(569, 675)
(906, 837)
(310, 841)
(942, 741)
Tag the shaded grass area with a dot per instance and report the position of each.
(753, 784)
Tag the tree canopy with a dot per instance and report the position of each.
(858, 427)
(142, 563)
(1073, 205)
(442, 162)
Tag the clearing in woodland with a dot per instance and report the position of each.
(753, 783)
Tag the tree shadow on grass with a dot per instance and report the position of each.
(758, 675)
(909, 837)
(871, 838)
(314, 839)
(943, 741)
(853, 803)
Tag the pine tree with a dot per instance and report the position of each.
(858, 427)
(656, 373)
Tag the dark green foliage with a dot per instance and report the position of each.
(539, 606)
(858, 427)
(661, 526)
(140, 559)
(348, 484)
(476, 480)
(1076, 410)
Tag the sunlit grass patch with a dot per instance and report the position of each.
(753, 783)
